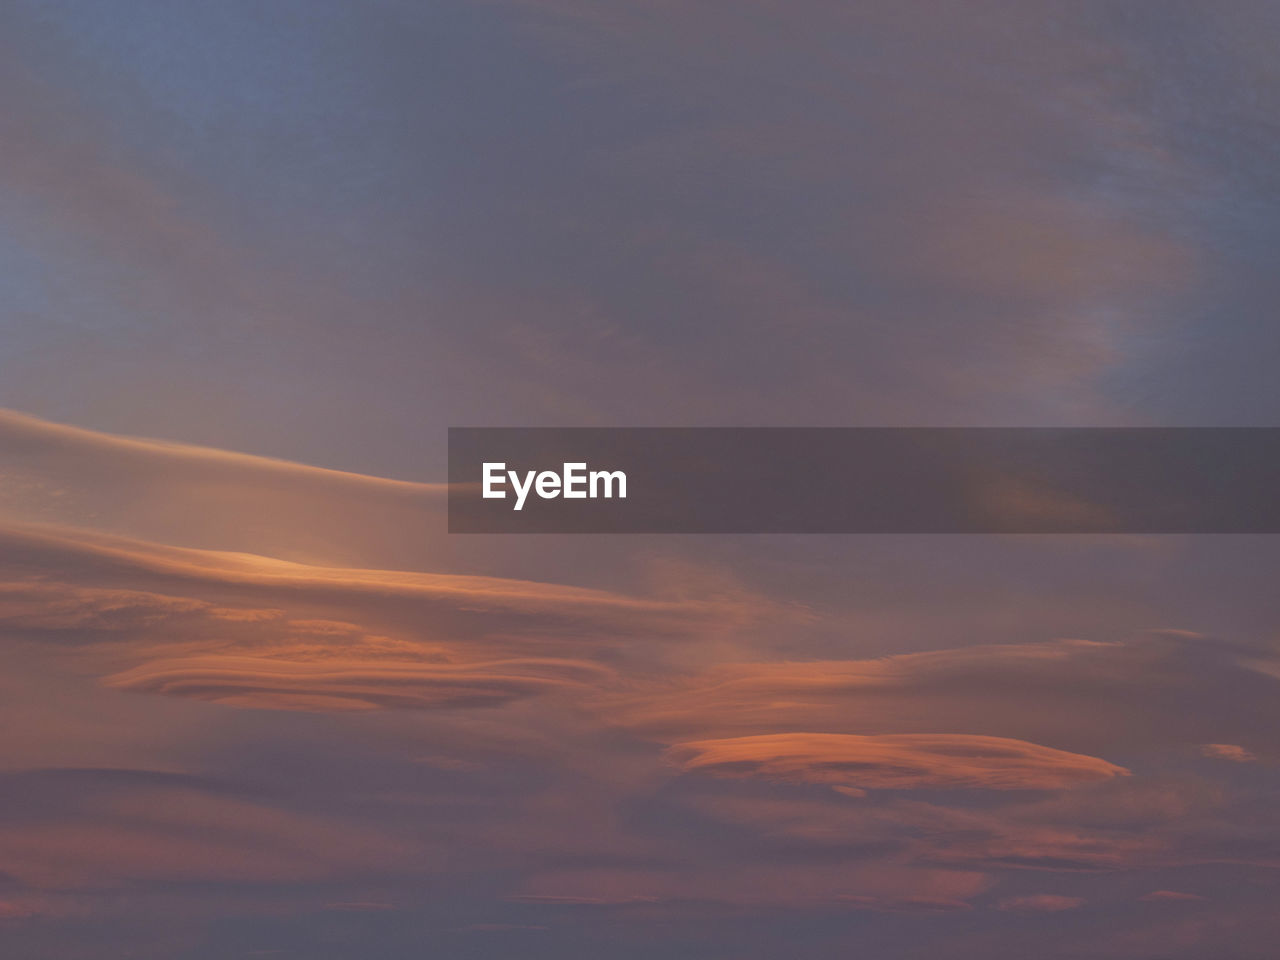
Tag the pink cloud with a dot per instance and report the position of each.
(1040, 903)
(1227, 751)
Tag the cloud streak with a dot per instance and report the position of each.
(855, 764)
(275, 683)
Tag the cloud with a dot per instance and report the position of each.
(564, 710)
(209, 498)
(1228, 751)
(406, 641)
(1083, 696)
(62, 609)
(105, 557)
(242, 627)
(895, 762)
(1040, 903)
(252, 631)
(276, 683)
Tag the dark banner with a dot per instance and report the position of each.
(864, 480)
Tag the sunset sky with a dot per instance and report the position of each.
(258, 255)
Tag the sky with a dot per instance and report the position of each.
(258, 256)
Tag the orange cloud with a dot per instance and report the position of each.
(47, 606)
(536, 604)
(253, 631)
(519, 678)
(1081, 695)
(209, 498)
(895, 762)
